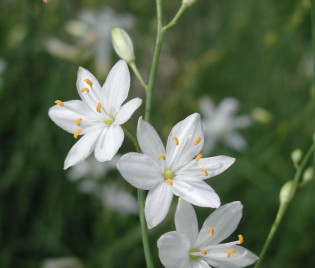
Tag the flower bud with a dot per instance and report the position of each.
(261, 115)
(308, 175)
(296, 156)
(287, 192)
(123, 44)
(189, 2)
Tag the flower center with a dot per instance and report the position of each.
(108, 121)
(168, 175)
(192, 257)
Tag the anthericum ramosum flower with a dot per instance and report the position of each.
(179, 170)
(97, 116)
(186, 248)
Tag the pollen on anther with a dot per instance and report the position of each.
(161, 156)
(240, 239)
(76, 134)
(98, 107)
(169, 181)
(204, 171)
(88, 81)
(176, 140)
(196, 141)
(59, 102)
(204, 252)
(229, 252)
(85, 89)
(78, 121)
(211, 231)
(198, 157)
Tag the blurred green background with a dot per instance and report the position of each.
(256, 51)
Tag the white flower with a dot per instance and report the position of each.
(186, 248)
(221, 123)
(179, 169)
(98, 116)
(65, 262)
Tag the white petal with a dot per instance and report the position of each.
(140, 170)
(201, 264)
(196, 192)
(94, 95)
(223, 221)
(158, 204)
(206, 167)
(206, 106)
(149, 141)
(127, 110)
(109, 143)
(186, 131)
(242, 121)
(235, 141)
(186, 220)
(228, 106)
(241, 258)
(174, 250)
(116, 87)
(82, 149)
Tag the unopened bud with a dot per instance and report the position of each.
(287, 192)
(261, 115)
(296, 156)
(123, 44)
(189, 2)
(308, 175)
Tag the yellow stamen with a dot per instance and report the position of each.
(88, 81)
(169, 181)
(204, 252)
(162, 156)
(78, 121)
(204, 171)
(59, 102)
(176, 140)
(196, 141)
(76, 134)
(240, 239)
(211, 231)
(198, 157)
(85, 89)
(98, 107)
(229, 252)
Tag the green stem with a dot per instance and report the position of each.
(283, 206)
(176, 18)
(132, 139)
(134, 68)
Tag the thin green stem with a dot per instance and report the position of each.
(134, 68)
(176, 18)
(132, 139)
(283, 206)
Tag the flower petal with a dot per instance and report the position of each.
(227, 107)
(127, 110)
(109, 143)
(149, 141)
(158, 204)
(186, 132)
(223, 221)
(206, 167)
(186, 221)
(242, 121)
(207, 107)
(235, 141)
(174, 250)
(116, 87)
(82, 148)
(140, 170)
(196, 192)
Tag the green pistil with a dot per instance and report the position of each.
(168, 174)
(109, 121)
(192, 257)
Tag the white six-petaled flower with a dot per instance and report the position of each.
(98, 115)
(179, 170)
(188, 248)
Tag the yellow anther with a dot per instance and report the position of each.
(85, 89)
(176, 140)
(211, 231)
(98, 107)
(229, 252)
(204, 171)
(240, 239)
(196, 141)
(59, 102)
(88, 81)
(169, 181)
(204, 252)
(198, 157)
(76, 134)
(78, 121)
(161, 156)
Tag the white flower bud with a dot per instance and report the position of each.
(296, 156)
(308, 175)
(123, 44)
(287, 192)
(189, 2)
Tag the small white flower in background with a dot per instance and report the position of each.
(98, 116)
(3, 65)
(179, 169)
(221, 124)
(66, 262)
(188, 248)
